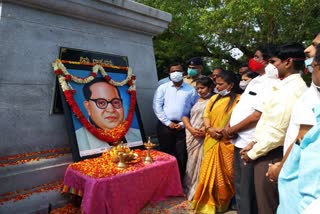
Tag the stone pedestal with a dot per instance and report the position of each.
(32, 31)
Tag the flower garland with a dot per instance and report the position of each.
(111, 136)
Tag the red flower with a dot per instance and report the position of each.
(107, 78)
(133, 77)
(67, 77)
(130, 83)
(93, 74)
(58, 72)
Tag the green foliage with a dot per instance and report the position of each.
(211, 28)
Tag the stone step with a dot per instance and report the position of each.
(31, 183)
(35, 203)
(34, 173)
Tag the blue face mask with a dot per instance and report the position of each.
(307, 63)
(192, 72)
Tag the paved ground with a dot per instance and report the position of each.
(175, 205)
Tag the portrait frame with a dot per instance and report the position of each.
(80, 63)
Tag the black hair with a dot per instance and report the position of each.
(317, 55)
(244, 72)
(292, 50)
(217, 68)
(267, 50)
(316, 34)
(174, 64)
(86, 88)
(229, 77)
(244, 65)
(251, 74)
(205, 81)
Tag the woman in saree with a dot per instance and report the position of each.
(215, 187)
(195, 133)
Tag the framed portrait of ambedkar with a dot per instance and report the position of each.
(99, 101)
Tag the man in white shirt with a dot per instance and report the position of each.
(298, 181)
(242, 123)
(302, 112)
(270, 132)
(302, 117)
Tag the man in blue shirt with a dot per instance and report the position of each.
(163, 80)
(171, 102)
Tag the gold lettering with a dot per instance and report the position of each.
(97, 61)
(107, 62)
(102, 61)
(84, 59)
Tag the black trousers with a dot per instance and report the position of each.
(266, 192)
(173, 142)
(244, 185)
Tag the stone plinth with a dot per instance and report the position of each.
(32, 31)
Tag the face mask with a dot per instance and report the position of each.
(176, 76)
(254, 65)
(272, 71)
(215, 90)
(223, 92)
(307, 63)
(192, 72)
(243, 84)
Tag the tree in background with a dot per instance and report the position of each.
(213, 29)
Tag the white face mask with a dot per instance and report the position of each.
(243, 84)
(176, 76)
(223, 92)
(271, 71)
(307, 63)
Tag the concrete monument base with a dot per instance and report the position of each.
(32, 32)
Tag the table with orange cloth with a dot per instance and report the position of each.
(106, 189)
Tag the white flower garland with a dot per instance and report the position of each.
(57, 64)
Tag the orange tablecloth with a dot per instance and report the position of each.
(106, 189)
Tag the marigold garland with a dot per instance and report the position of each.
(114, 135)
